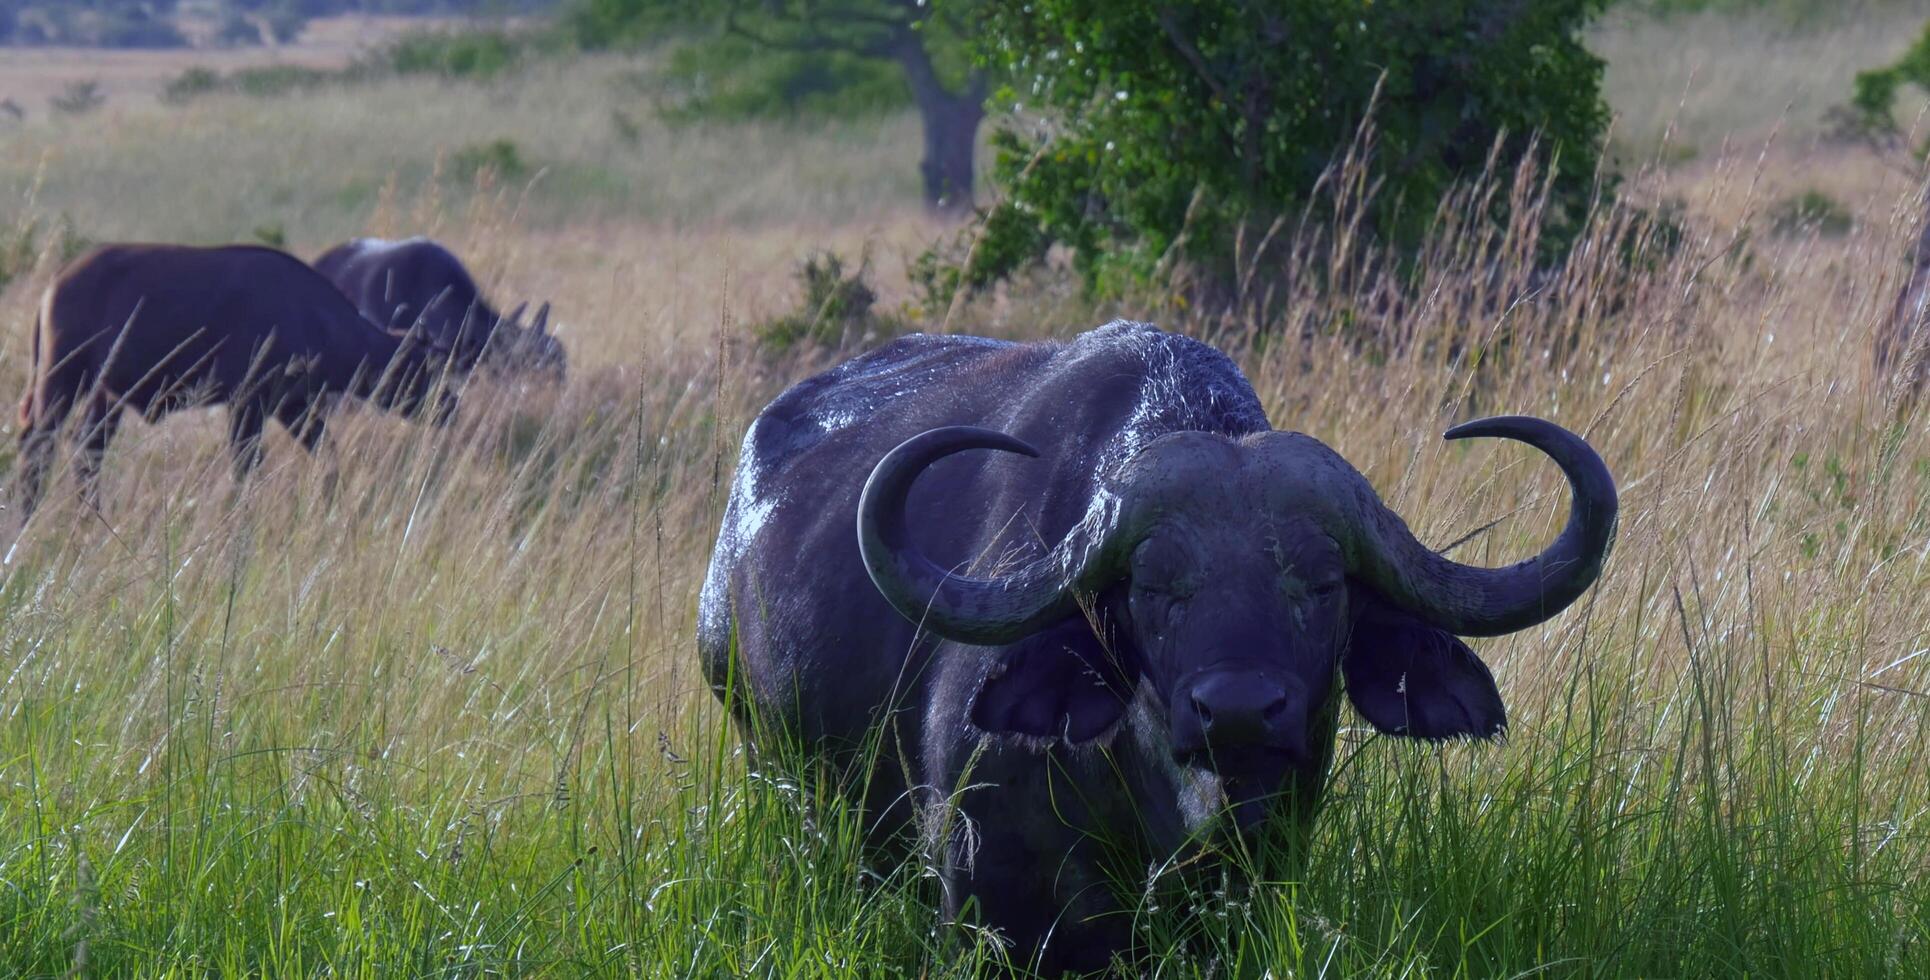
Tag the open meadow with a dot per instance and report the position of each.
(427, 704)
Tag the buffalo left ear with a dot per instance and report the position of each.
(1408, 678)
(1060, 682)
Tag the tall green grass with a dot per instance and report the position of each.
(428, 704)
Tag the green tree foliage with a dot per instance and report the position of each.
(601, 24)
(731, 79)
(1873, 100)
(90, 23)
(1190, 119)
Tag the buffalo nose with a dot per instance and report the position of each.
(1239, 710)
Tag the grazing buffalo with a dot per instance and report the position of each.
(418, 281)
(1071, 655)
(157, 328)
(1903, 341)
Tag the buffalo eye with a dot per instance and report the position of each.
(1161, 568)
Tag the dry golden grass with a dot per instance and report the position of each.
(466, 669)
(1729, 79)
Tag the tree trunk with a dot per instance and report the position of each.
(951, 128)
(951, 146)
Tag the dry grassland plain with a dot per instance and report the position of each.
(427, 704)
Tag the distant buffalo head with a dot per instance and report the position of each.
(1239, 578)
(501, 344)
(517, 347)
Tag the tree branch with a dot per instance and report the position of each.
(1192, 55)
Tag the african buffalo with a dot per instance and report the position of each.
(1070, 663)
(419, 281)
(1903, 341)
(157, 328)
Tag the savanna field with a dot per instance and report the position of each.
(428, 704)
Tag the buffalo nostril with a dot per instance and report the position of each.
(1204, 712)
(1275, 712)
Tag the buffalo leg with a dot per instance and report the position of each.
(39, 438)
(305, 421)
(36, 456)
(1014, 861)
(244, 438)
(98, 425)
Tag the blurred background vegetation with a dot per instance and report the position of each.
(1142, 137)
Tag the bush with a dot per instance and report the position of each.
(260, 81)
(599, 24)
(1181, 129)
(1003, 239)
(731, 79)
(78, 98)
(271, 80)
(1810, 211)
(471, 54)
(190, 85)
(498, 157)
(1870, 113)
(836, 310)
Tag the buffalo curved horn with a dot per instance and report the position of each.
(1472, 601)
(542, 320)
(515, 317)
(466, 333)
(433, 305)
(958, 607)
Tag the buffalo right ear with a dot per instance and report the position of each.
(1060, 682)
(1409, 678)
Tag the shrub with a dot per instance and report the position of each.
(78, 98)
(190, 85)
(260, 81)
(836, 309)
(1003, 239)
(499, 157)
(599, 24)
(1810, 211)
(1870, 113)
(731, 79)
(272, 80)
(1181, 129)
(470, 54)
